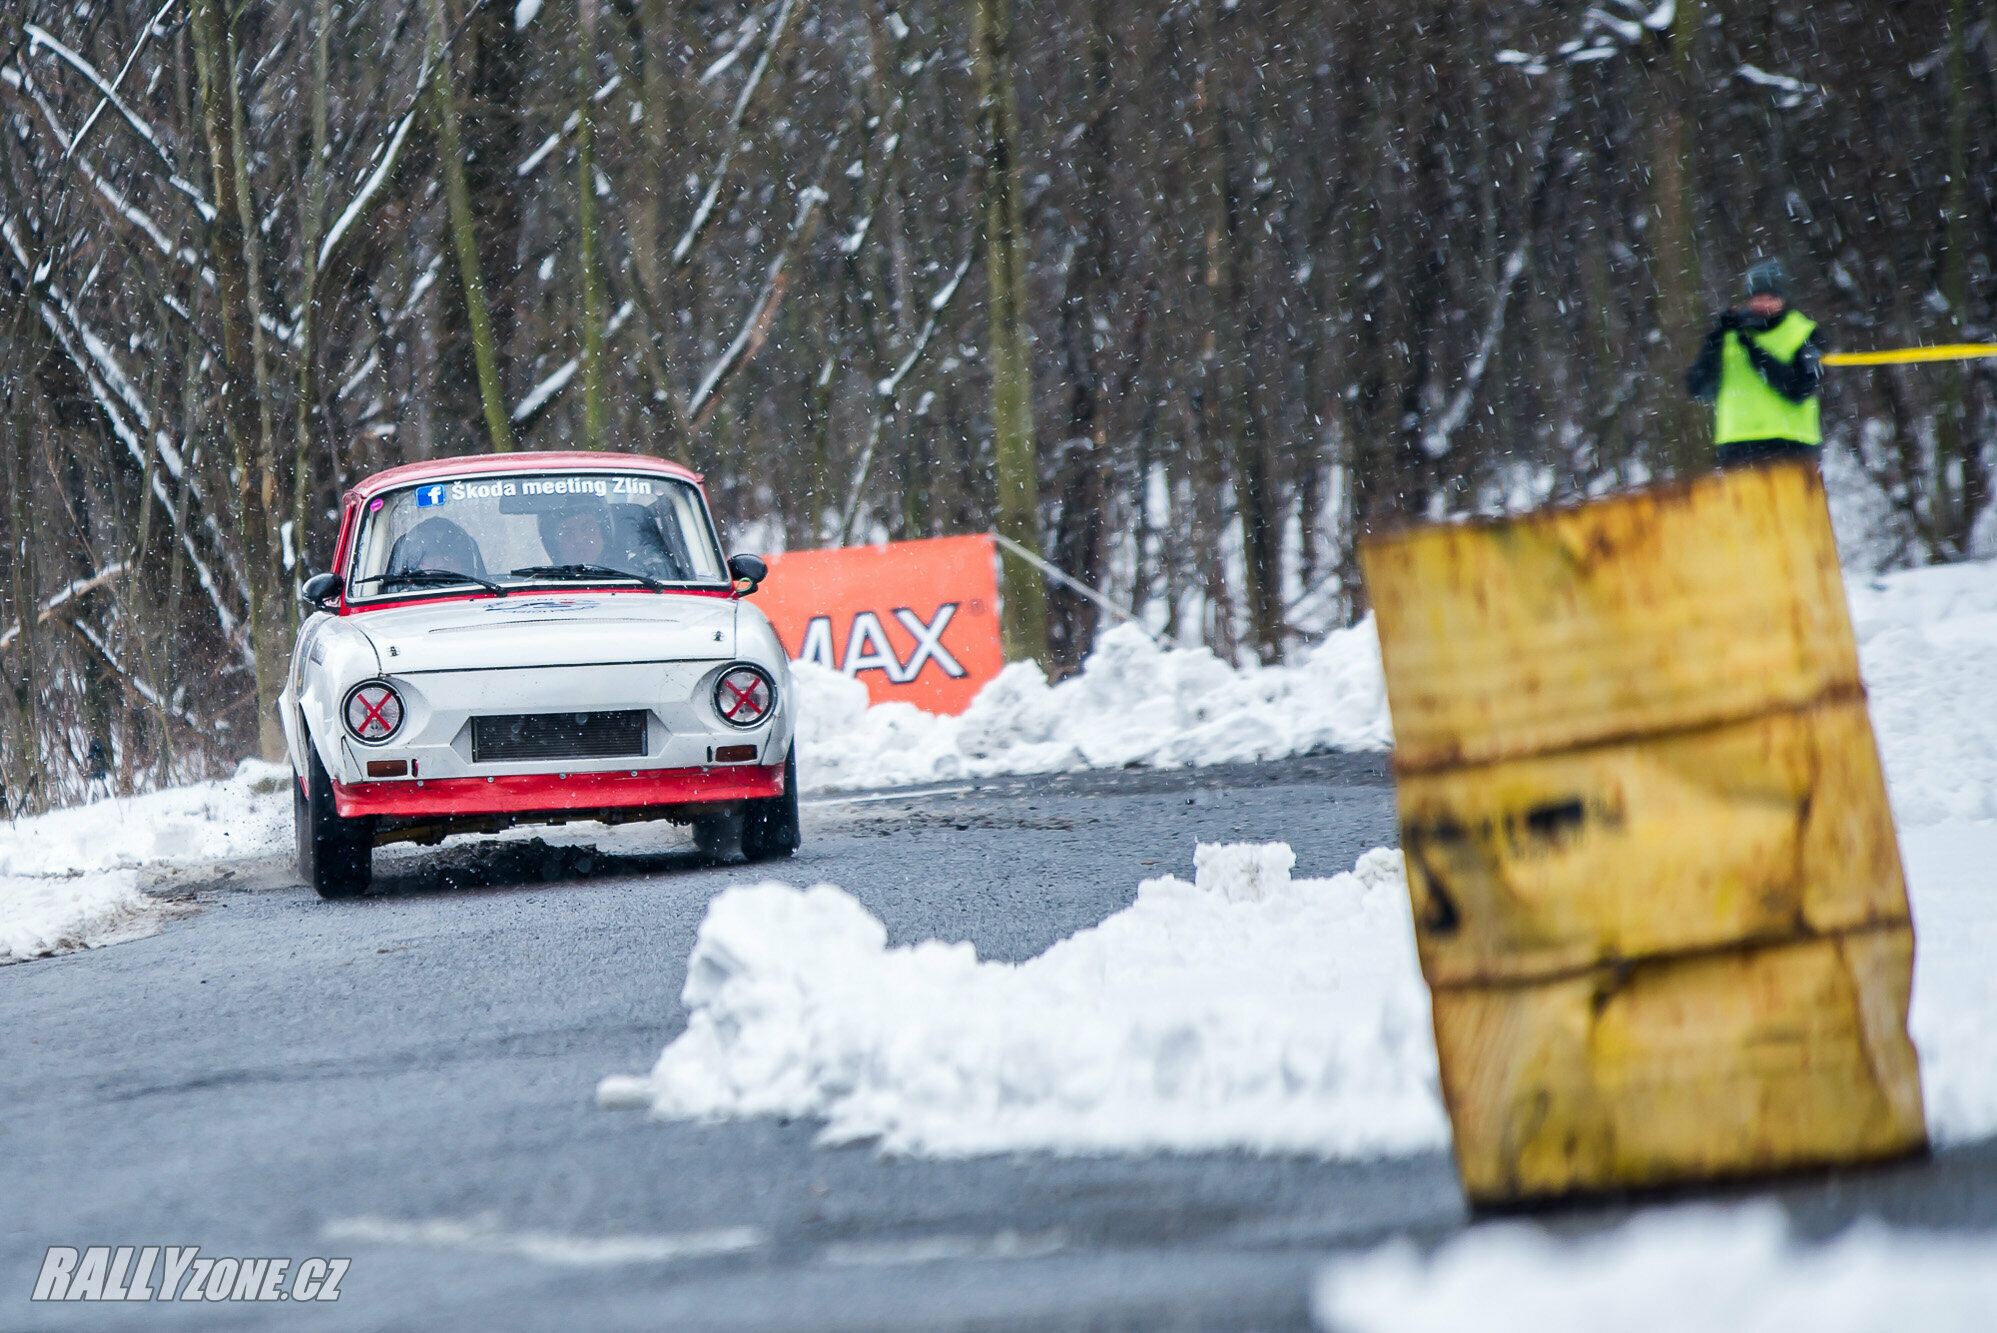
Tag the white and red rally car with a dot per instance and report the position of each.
(534, 638)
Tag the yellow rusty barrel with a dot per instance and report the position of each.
(1657, 894)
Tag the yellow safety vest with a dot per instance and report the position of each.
(1746, 408)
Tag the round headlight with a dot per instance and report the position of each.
(373, 712)
(744, 696)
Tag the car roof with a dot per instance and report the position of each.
(473, 465)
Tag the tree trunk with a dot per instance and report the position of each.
(1082, 530)
(1372, 494)
(592, 282)
(1023, 626)
(26, 787)
(489, 88)
(1237, 450)
(464, 238)
(311, 216)
(1240, 329)
(1213, 421)
(1958, 504)
(245, 379)
(1685, 432)
(658, 121)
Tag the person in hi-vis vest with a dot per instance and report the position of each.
(1759, 369)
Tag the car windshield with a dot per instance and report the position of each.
(540, 527)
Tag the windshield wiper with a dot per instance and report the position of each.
(434, 578)
(586, 572)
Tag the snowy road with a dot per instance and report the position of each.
(409, 1080)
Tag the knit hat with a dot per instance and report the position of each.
(1770, 277)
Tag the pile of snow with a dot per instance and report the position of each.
(1927, 641)
(1133, 703)
(241, 816)
(67, 878)
(47, 914)
(1683, 1270)
(1198, 1017)
(1247, 1009)
(1244, 1010)
(1954, 1017)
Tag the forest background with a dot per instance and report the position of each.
(1185, 294)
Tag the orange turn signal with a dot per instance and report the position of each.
(388, 768)
(734, 754)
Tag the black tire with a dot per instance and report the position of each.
(335, 855)
(770, 831)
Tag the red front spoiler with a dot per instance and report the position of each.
(536, 793)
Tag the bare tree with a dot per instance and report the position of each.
(1266, 276)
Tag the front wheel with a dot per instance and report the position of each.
(771, 830)
(335, 854)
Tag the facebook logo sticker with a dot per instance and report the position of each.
(429, 495)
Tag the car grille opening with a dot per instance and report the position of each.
(525, 736)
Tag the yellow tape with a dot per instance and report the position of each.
(1902, 355)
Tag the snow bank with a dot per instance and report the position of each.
(1954, 1016)
(1133, 703)
(42, 915)
(67, 878)
(1687, 1270)
(1247, 1009)
(242, 816)
(1244, 1010)
(1927, 640)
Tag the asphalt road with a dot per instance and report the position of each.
(408, 1081)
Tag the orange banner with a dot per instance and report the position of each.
(916, 621)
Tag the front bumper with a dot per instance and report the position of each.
(428, 772)
(558, 793)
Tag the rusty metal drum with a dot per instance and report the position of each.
(1657, 894)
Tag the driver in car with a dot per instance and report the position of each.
(623, 538)
(577, 537)
(436, 543)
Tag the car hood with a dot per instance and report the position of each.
(550, 629)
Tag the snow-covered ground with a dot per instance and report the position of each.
(1954, 1016)
(68, 879)
(1248, 1009)
(1927, 643)
(1134, 703)
(1685, 1270)
(245, 815)
(45, 914)
(1245, 1009)
(1928, 640)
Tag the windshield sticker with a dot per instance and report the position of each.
(604, 487)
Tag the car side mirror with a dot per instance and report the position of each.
(748, 571)
(320, 589)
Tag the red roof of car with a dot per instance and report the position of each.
(523, 461)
